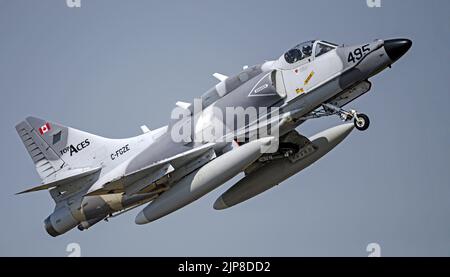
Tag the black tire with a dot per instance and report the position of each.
(363, 122)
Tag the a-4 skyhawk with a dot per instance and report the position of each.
(92, 178)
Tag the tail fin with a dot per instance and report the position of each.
(53, 147)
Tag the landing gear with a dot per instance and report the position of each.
(361, 122)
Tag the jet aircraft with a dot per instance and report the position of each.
(92, 178)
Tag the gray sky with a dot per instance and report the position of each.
(111, 66)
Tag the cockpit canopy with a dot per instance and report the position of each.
(307, 49)
(299, 52)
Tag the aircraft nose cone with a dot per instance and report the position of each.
(395, 48)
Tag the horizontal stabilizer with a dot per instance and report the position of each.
(64, 178)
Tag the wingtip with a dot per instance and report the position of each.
(25, 191)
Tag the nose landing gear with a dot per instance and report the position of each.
(360, 120)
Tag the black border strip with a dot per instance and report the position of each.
(221, 266)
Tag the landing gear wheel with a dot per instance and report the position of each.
(361, 122)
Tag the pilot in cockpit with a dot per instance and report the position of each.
(299, 52)
(307, 51)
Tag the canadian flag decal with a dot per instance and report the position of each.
(44, 128)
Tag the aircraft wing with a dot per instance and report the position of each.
(143, 180)
(294, 143)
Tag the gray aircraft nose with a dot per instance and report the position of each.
(395, 48)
